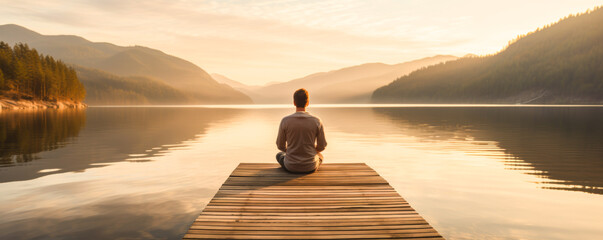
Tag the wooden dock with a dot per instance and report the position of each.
(340, 201)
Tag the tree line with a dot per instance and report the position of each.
(106, 88)
(560, 63)
(32, 75)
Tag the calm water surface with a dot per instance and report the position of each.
(147, 172)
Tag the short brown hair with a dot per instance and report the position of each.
(300, 97)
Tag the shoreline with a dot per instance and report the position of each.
(362, 105)
(21, 104)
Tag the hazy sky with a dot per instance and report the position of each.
(255, 42)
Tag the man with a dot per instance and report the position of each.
(301, 138)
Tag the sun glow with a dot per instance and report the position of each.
(247, 40)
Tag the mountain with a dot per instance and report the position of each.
(223, 79)
(347, 85)
(126, 62)
(560, 63)
(105, 88)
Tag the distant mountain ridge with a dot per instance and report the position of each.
(233, 83)
(559, 64)
(127, 62)
(353, 84)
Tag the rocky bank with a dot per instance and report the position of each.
(6, 104)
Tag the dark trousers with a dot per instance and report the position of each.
(280, 158)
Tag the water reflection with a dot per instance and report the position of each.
(562, 145)
(110, 135)
(146, 173)
(107, 183)
(25, 133)
(133, 216)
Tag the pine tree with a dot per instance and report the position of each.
(29, 73)
(1, 79)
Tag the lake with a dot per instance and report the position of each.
(473, 172)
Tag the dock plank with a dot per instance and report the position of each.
(340, 201)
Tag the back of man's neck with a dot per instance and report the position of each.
(300, 109)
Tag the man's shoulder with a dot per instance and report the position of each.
(316, 118)
(305, 115)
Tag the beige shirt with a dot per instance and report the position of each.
(301, 136)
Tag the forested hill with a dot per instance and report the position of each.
(103, 88)
(125, 62)
(560, 63)
(26, 74)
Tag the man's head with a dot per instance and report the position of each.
(300, 98)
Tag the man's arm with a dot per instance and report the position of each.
(281, 139)
(321, 141)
